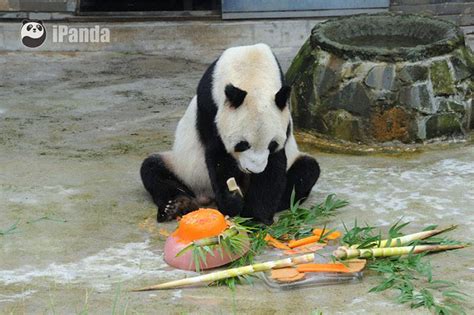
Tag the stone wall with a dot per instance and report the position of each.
(458, 11)
(38, 5)
(364, 93)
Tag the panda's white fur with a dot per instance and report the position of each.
(187, 156)
(258, 121)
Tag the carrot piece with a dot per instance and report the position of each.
(303, 241)
(336, 267)
(308, 248)
(332, 236)
(275, 243)
(284, 273)
(279, 245)
(288, 274)
(292, 279)
(356, 265)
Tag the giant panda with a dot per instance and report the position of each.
(237, 125)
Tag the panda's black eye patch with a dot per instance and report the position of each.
(273, 146)
(39, 28)
(29, 27)
(242, 146)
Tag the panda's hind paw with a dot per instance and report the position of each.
(180, 206)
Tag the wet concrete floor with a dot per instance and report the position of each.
(74, 128)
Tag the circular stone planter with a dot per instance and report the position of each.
(384, 77)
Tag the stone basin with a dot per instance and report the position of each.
(384, 78)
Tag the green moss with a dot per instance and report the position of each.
(441, 78)
(300, 63)
(342, 125)
(444, 124)
(466, 54)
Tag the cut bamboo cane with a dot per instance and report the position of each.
(348, 253)
(403, 240)
(234, 272)
(233, 187)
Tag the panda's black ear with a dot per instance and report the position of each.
(24, 22)
(235, 95)
(282, 96)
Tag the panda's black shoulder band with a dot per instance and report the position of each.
(235, 95)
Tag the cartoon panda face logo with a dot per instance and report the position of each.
(33, 33)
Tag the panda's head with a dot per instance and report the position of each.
(33, 33)
(254, 124)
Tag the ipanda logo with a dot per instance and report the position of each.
(96, 34)
(33, 34)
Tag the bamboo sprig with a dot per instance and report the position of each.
(210, 241)
(234, 272)
(406, 239)
(233, 240)
(348, 253)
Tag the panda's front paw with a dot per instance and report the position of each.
(232, 205)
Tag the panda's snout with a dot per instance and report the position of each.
(253, 162)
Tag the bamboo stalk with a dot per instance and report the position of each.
(348, 253)
(234, 272)
(403, 240)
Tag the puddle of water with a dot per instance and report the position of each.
(102, 270)
(16, 296)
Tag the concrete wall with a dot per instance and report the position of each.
(193, 40)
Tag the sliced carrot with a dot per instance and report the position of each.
(332, 236)
(303, 241)
(292, 279)
(356, 265)
(279, 245)
(335, 267)
(308, 248)
(284, 273)
(275, 243)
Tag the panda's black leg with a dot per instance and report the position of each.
(170, 194)
(301, 177)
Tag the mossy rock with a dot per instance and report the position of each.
(443, 125)
(366, 79)
(302, 61)
(441, 78)
(343, 125)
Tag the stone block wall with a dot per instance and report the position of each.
(460, 12)
(38, 5)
